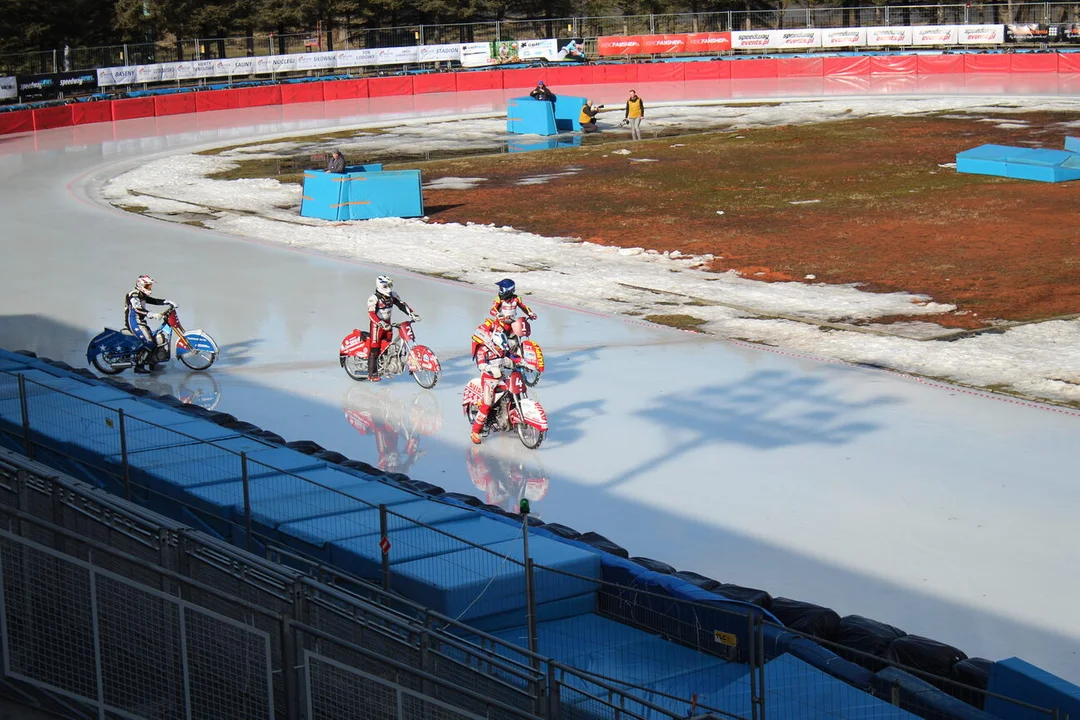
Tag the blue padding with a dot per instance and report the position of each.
(528, 116)
(363, 556)
(545, 612)
(550, 144)
(1020, 680)
(320, 530)
(1072, 144)
(362, 195)
(823, 659)
(1021, 171)
(568, 112)
(12, 362)
(474, 583)
(986, 152)
(925, 699)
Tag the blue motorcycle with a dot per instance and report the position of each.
(113, 351)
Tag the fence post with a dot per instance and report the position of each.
(530, 587)
(553, 701)
(751, 653)
(124, 453)
(96, 635)
(761, 664)
(247, 500)
(24, 406)
(384, 545)
(652, 24)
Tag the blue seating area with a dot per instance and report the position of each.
(461, 561)
(1040, 164)
(362, 192)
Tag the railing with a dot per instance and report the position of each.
(361, 609)
(588, 28)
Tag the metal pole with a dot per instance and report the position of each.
(55, 68)
(530, 585)
(124, 454)
(96, 634)
(25, 407)
(247, 500)
(384, 545)
(750, 660)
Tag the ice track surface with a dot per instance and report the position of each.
(947, 513)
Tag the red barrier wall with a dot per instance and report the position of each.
(800, 67)
(132, 108)
(259, 96)
(302, 93)
(491, 80)
(16, 121)
(52, 117)
(384, 86)
(846, 66)
(85, 113)
(986, 63)
(209, 100)
(745, 69)
(894, 64)
(433, 83)
(904, 72)
(939, 64)
(344, 89)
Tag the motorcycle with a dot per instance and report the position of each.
(396, 356)
(113, 351)
(531, 354)
(511, 408)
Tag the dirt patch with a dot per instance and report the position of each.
(861, 201)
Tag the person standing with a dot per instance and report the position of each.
(635, 112)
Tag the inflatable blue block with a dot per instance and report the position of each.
(361, 193)
(549, 144)
(567, 112)
(1020, 680)
(318, 531)
(527, 116)
(1072, 144)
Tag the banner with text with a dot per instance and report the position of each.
(54, 85)
(680, 44)
(9, 89)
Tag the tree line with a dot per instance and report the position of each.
(29, 25)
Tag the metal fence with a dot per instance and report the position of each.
(306, 604)
(347, 36)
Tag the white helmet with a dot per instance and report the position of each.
(384, 285)
(500, 341)
(145, 284)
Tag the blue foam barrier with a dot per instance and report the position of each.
(1020, 680)
(1039, 164)
(1072, 144)
(474, 584)
(550, 144)
(528, 116)
(362, 194)
(545, 612)
(923, 698)
(319, 531)
(568, 113)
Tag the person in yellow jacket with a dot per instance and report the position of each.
(587, 118)
(635, 111)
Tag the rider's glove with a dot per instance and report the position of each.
(506, 362)
(171, 304)
(414, 317)
(384, 325)
(532, 316)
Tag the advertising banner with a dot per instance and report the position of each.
(663, 44)
(1038, 33)
(708, 42)
(935, 35)
(538, 49)
(475, 54)
(397, 56)
(148, 73)
(843, 37)
(981, 34)
(53, 85)
(878, 36)
(751, 40)
(619, 45)
(794, 39)
(9, 89)
(437, 53)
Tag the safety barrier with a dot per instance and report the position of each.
(845, 66)
(527, 116)
(362, 192)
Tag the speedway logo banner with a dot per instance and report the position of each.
(935, 35)
(437, 53)
(888, 36)
(8, 88)
(843, 37)
(981, 34)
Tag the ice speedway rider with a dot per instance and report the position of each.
(380, 306)
(136, 315)
(493, 351)
(506, 305)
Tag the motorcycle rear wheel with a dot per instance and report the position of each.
(530, 437)
(101, 362)
(356, 367)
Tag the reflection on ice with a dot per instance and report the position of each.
(191, 388)
(508, 476)
(395, 420)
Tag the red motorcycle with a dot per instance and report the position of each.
(511, 409)
(402, 354)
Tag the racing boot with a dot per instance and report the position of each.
(141, 359)
(373, 366)
(478, 423)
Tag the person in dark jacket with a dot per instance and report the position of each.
(337, 162)
(542, 92)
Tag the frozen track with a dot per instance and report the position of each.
(947, 513)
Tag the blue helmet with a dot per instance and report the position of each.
(506, 289)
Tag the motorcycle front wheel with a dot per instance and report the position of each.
(199, 357)
(531, 376)
(530, 436)
(356, 367)
(103, 365)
